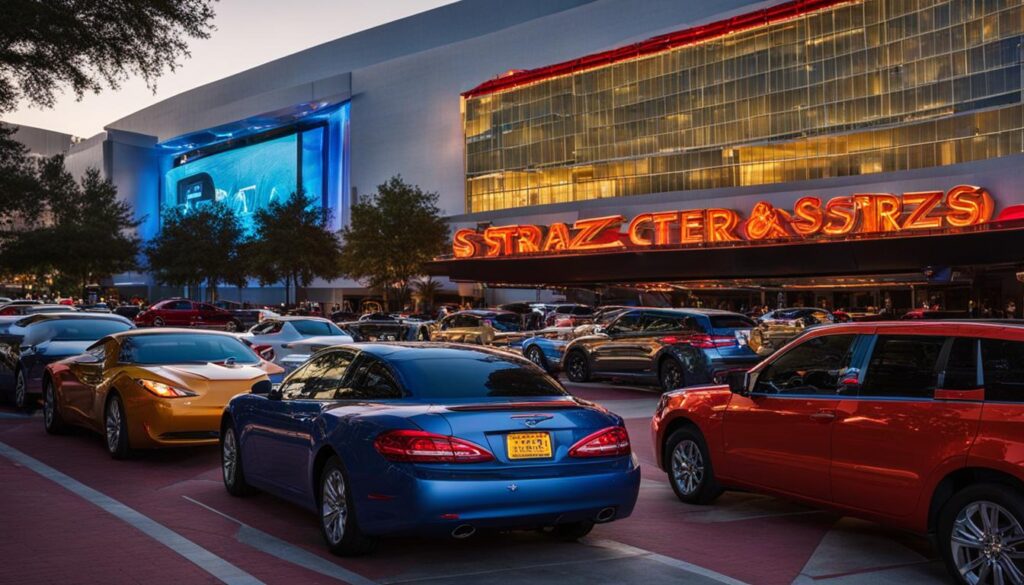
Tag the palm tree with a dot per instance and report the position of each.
(426, 289)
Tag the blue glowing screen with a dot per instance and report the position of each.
(250, 177)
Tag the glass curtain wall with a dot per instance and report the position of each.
(867, 87)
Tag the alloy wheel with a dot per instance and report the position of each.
(577, 367)
(229, 461)
(985, 542)
(48, 405)
(671, 375)
(334, 506)
(687, 467)
(20, 397)
(534, 355)
(113, 425)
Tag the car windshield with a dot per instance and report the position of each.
(314, 327)
(506, 322)
(474, 375)
(83, 329)
(185, 348)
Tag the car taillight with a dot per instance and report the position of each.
(424, 447)
(702, 341)
(264, 351)
(609, 442)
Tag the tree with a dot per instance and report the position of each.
(82, 232)
(86, 44)
(293, 245)
(196, 246)
(426, 290)
(393, 233)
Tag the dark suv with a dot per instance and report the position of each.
(672, 347)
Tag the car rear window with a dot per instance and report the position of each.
(313, 327)
(469, 376)
(184, 348)
(731, 322)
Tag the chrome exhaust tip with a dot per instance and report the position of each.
(605, 515)
(463, 531)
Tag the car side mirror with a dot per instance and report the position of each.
(275, 392)
(739, 382)
(262, 387)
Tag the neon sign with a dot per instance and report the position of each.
(810, 218)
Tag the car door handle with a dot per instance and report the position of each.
(824, 416)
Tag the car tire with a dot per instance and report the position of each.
(689, 467)
(115, 427)
(573, 531)
(535, 355)
(337, 514)
(983, 501)
(231, 464)
(158, 322)
(21, 395)
(670, 375)
(52, 419)
(577, 368)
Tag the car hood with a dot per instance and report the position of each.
(187, 374)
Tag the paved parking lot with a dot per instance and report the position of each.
(72, 515)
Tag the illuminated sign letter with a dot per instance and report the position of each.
(807, 216)
(592, 234)
(721, 225)
(968, 205)
(462, 245)
(634, 230)
(558, 238)
(764, 222)
(841, 214)
(691, 226)
(499, 240)
(921, 217)
(529, 240)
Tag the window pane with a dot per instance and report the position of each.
(962, 365)
(1003, 364)
(320, 379)
(374, 381)
(903, 366)
(816, 366)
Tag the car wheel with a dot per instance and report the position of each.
(670, 375)
(535, 355)
(573, 531)
(577, 368)
(231, 464)
(689, 467)
(981, 537)
(232, 326)
(158, 322)
(21, 399)
(52, 419)
(337, 514)
(116, 426)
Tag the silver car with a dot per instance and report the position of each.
(287, 335)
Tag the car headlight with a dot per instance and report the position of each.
(165, 390)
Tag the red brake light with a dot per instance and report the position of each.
(424, 447)
(609, 442)
(703, 341)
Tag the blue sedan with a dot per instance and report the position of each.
(429, 439)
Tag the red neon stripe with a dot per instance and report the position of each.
(658, 44)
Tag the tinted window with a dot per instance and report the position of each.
(816, 366)
(627, 323)
(74, 330)
(655, 323)
(903, 366)
(731, 322)
(961, 366)
(582, 311)
(505, 323)
(373, 381)
(312, 328)
(464, 321)
(178, 306)
(320, 379)
(473, 375)
(185, 348)
(1003, 365)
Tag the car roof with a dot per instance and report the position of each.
(401, 351)
(484, 312)
(299, 318)
(167, 330)
(69, 315)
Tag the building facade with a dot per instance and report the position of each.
(806, 151)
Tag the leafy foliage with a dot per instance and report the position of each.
(82, 233)
(393, 233)
(292, 244)
(196, 246)
(86, 44)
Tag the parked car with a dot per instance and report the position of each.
(283, 333)
(37, 309)
(17, 307)
(546, 347)
(479, 326)
(128, 311)
(779, 327)
(670, 347)
(187, 313)
(247, 317)
(916, 426)
(152, 388)
(32, 342)
(569, 315)
(387, 330)
(429, 439)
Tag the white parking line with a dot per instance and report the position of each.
(198, 555)
(286, 551)
(671, 562)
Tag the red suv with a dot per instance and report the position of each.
(186, 313)
(918, 426)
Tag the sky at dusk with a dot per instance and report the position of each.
(249, 33)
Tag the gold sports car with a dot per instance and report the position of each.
(148, 388)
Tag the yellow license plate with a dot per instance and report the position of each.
(528, 445)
